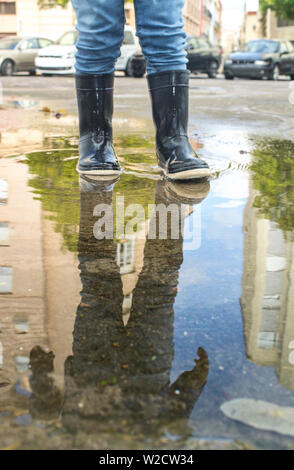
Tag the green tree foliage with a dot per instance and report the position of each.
(55, 182)
(283, 8)
(273, 177)
(52, 3)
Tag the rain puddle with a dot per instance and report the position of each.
(141, 313)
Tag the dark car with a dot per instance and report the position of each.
(202, 57)
(261, 58)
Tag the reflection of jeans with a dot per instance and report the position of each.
(101, 30)
(122, 373)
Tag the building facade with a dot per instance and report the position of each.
(24, 18)
(192, 17)
(211, 20)
(277, 28)
(252, 26)
(267, 294)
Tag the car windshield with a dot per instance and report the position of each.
(8, 43)
(261, 46)
(68, 39)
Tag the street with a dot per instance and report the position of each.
(257, 107)
(211, 307)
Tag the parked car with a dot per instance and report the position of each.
(137, 64)
(18, 54)
(129, 47)
(261, 58)
(202, 58)
(59, 58)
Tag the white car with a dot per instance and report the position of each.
(59, 58)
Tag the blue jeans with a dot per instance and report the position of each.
(159, 25)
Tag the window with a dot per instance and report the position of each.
(30, 44)
(44, 42)
(128, 38)
(283, 48)
(192, 44)
(7, 8)
(262, 46)
(281, 22)
(21, 327)
(3, 192)
(125, 256)
(9, 43)
(68, 39)
(22, 363)
(203, 44)
(4, 234)
(6, 276)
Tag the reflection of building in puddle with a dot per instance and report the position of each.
(3, 191)
(22, 312)
(130, 258)
(267, 299)
(27, 138)
(33, 275)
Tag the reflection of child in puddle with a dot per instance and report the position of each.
(120, 375)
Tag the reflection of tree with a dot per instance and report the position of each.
(118, 377)
(55, 183)
(273, 177)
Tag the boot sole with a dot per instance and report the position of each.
(188, 174)
(99, 172)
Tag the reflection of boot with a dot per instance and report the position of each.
(150, 327)
(95, 105)
(152, 314)
(118, 377)
(95, 369)
(99, 318)
(46, 398)
(169, 93)
(187, 193)
(185, 391)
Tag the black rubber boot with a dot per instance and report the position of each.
(95, 105)
(170, 95)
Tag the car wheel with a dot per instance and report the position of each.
(137, 74)
(138, 69)
(129, 69)
(229, 77)
(291, 77)
(7, 67)
(32, 72)
(213, 68)
(274, 75)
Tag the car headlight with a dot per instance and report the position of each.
(261, 62)
(228, 61)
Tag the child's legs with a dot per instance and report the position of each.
(100, 24)
(160, 30)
